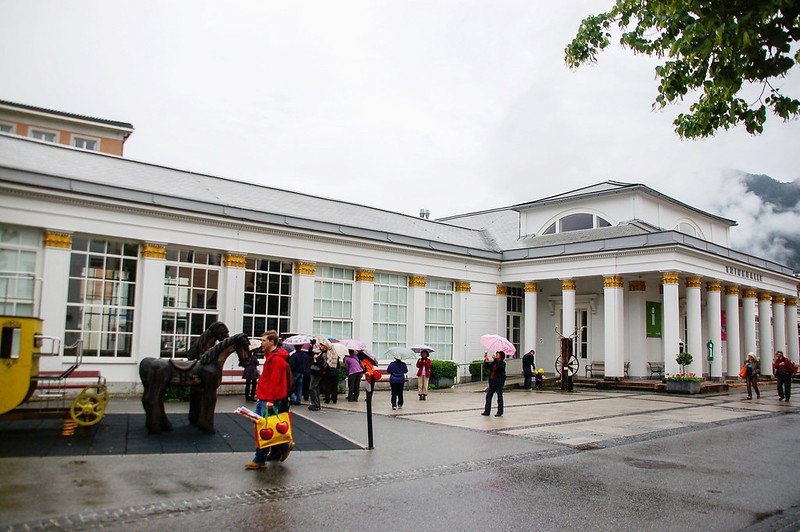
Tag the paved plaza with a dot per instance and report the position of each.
(587, 460)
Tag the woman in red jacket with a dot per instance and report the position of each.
(423, 374)
(272, 391)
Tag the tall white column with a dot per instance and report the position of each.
(363, 303)
(531, 333)
(749, 321)
(694, 325)
(502, 307)
(568, 308)
(670, 335)
(416, 309)
(303, 297)
(714, 317)
(54, 290)
(149, 301)
(735, 359)
(231, 294)
(791, 328)
(614, 327)
(765, 332)
(637, 329)
(779, 324)
(461, 353)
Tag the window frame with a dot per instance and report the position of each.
(332, 324)
(34, 129)
(386, 332)
(254, 323)
(75, 137)
(442, 290)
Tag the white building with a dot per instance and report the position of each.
(137, 258)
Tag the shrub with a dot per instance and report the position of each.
(475, 368)
(176, 393)
(443, 369)
(684, 359)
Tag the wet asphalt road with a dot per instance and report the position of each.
(722, 475)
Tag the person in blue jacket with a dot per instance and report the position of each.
(397, 378)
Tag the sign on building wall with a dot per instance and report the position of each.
(653, 319)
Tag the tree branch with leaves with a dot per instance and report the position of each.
(711, 46)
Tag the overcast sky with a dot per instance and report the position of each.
(454, 106)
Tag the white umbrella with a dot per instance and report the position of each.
(399, 352)
(419, 348)
(355, 345)
(298, 339)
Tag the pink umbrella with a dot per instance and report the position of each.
(355, 345)
(495, 343)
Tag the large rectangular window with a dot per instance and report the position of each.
(100, 297)
(191, 284)
(515, 302)
(18, 249)
(333, 302)
(389, 307)
(439, 318)
(47, 136)
(267, 296)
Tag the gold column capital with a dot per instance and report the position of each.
(637, 286)
(791, 301)
(365, 276)
(612, 281)
(154, 251)
(693, 282)
(670, 278)
(463, 286)
(54, 239)
(749, 292)
(417, 281)
(765, 296)
(779, 300)
(305, 268)
(234, 260)
(714, 286)
(731, 290)
(531, 286)
(568, 284)
(501, 290)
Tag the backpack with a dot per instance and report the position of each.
(792, 367)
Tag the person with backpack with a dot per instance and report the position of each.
(783, 369)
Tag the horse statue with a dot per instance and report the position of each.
(203, 375)
(216, 332)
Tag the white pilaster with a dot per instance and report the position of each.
(460, 302)
(714, 317)
(416, 310)
(671, 338)
(363, 303)
(749, 321)
(791, 327)
(303, 297)
(765, 332)
(637, 329)
(732, 342)
(54, 290)
(568, 307)
(231, 284)
(614, 327)
(500, 313)
(694, 326)
(149, 301)
(779, 324)
(531, 332)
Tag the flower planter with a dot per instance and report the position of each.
(683, 387)
(442, 382)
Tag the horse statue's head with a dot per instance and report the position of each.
(239, 343)
(216, 332)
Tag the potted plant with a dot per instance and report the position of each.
(683, 382)
(443, 373)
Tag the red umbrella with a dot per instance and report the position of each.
(495, 343)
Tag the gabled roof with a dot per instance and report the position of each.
(607, 188)
(62, 114)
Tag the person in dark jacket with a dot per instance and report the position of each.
(497, 379)
(397, 379)
(298, 362)
(250, 375)
(527, 369)
(783, 372)
(751, 367)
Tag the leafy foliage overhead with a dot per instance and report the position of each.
(715, 46)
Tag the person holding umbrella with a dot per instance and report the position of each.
(397, 378)
(497, 379)
(423, 374)
(354, 370)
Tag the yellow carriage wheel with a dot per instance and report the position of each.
(89, 406)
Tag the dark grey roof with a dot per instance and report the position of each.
(114, 123)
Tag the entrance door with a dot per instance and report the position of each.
(582, 326)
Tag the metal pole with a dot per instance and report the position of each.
(370, 444)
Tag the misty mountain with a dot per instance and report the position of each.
(780, 203)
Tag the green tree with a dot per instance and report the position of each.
(713, 46)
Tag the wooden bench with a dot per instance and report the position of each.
(656, 368)
(600, 367)
(232, 377)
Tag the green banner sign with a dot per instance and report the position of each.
(653, 319)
